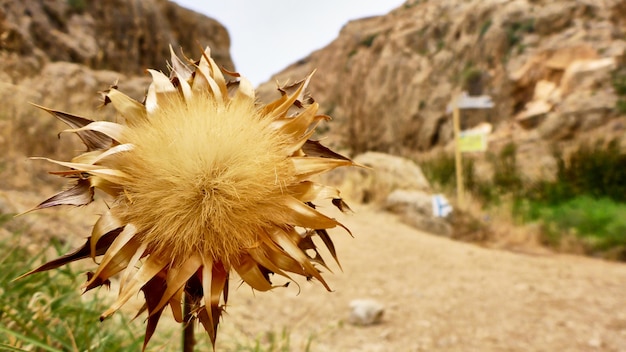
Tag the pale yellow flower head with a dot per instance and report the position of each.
(202, 180)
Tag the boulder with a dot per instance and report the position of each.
(402, 200)
(394, 184)
(415, 208)
(383, 174)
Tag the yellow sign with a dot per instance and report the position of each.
(473, 141)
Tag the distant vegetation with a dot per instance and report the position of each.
(484, 28)
(619, 84)
(77, 5)
(368, 40)
(46, 312)
(515, 33)
(586, 200)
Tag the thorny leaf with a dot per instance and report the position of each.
(80, 253)
(316, 149)
(93, 140)
(79, 195)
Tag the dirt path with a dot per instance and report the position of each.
(441, 295)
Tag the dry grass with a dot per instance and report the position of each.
(495, 227)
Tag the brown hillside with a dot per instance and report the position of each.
(547, 64)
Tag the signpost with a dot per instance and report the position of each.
(465, 101)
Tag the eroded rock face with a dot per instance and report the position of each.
(386, 80)
(61, 53)
(126, 36)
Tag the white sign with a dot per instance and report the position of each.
(441, 207)
(464, 101)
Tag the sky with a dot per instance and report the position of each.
(267, 36)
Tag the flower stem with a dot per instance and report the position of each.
(188, 337)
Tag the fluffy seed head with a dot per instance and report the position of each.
(203, 180)
(209, 181)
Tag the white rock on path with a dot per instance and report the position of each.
(366, 312)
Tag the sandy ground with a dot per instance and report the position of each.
(438, 294)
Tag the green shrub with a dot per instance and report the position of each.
(597, 170)
(586, 199)
(619, 84)
(505, 179)
(77, 5)
(599, 222)
(506, 174)
(469, 76)
(515, 32)
(440, 44)
(619, 81)
(45, 312)
(441, 170)
(484, 28)
(620, 105)
(369, 40)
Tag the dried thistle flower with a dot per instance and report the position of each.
(203, 180)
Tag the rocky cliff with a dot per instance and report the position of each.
(553, 68)
(126, 36)
(550, 66)
(61, 53)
